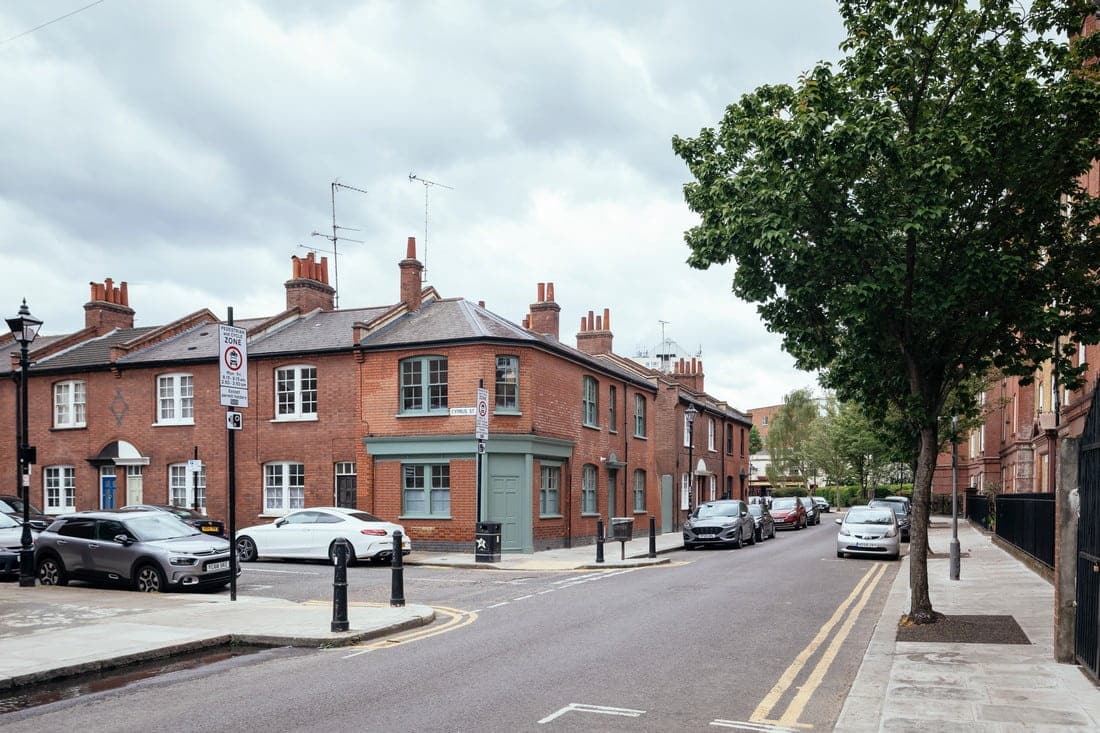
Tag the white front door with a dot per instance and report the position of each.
(134, 491)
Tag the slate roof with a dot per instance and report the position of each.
(91, 352)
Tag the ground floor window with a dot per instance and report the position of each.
(284, 486)
(588, 490)
(60, 489)
(549, 488)
(426, 490)
(182, 488)
(639, 490)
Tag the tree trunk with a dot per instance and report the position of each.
(920, 608)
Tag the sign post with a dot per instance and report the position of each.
(233, 370)
(481, 433)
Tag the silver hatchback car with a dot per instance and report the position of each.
(148, 551)
(724, 522)
(868, 530)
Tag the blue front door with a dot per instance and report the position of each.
(106, 492)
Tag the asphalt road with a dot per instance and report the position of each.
(766, 637)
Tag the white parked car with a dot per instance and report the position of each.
(869, 530)
(308, 534)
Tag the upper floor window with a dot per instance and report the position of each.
(426, 490)
(296, 393)
(588, 489)
(60, 489)
(284, 487)
(507, 383)
(176, 399)
(591, 402)
(68, 404)
(424, 384)
(710, 433)
(186, 488)
(729, 440)
(639, 416)
(688, 428)
(612, 409)
(764, 421)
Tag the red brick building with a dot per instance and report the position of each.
(371, 407)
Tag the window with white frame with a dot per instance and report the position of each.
(588, 489)
(296, 393)
(549, 490)
(590, 402)
(639, 490)
(612, 409)
(688, 427)
(639, 416)
(175, 399)
(685, 491)
(68, 404)
(507, 383)
(60, 489)
(426, 490)
(423, 384)
(713, 487)
(284, 487)
(710, 433)
(183, 487)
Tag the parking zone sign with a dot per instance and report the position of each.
(233, 365)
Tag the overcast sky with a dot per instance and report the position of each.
(188, 149)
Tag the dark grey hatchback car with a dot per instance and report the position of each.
(148, 551)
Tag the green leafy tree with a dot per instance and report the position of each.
(788, 433)
(915, 216)
(756, 443)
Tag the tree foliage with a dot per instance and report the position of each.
(788, 434)
(915, 217)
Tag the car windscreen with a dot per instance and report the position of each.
(717, 510)
(158, 526)
(185, 513)
(783, 504)
(756, 509)
(7, 522)
(869, 516)
(898, 507)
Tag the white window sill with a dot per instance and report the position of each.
(81, 426)
(425, 516)
(296, 418)
(173, 423)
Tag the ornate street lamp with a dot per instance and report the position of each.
(24, 327)
(689, 415)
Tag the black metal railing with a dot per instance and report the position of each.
(1027, 521)
(977, 510)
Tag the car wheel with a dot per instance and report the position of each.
(688, 546)
(839, 553)
(739, 542)
(351, 554)
(149, 579)
(896, 556)
(51, 571)
(773, 531)
(246, 549)
(758, 535)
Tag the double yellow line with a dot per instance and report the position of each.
(456, 619)
(850, 614)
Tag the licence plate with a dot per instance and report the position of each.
(210, 529)
(215, 566)
(866, 544)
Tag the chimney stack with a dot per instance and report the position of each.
(595, 336)
(308, 287)
(109, 307)
(411, 272)
(689, 373)
(545, 313)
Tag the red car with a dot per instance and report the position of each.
(788, 512)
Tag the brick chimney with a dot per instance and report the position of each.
(545, 313)
(595, 333)
(689, 373)
(109, 307)
(411, 271)
(308, 287)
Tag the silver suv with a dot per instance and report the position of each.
(148, 551)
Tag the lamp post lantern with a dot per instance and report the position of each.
(689, 415)
(24, 327)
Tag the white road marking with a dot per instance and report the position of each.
(282, 572)
(524, 598)
(498, 605)
(582, 708)
(743, 725)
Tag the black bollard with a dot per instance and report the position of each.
(397, 587)
(340, 549)
(652, 536)
(599, 540)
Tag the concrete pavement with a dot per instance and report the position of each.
(49, 632)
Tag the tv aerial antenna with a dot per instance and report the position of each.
(427, 185)
(336, 237)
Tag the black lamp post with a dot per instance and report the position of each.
(24, 327)
(689, 415)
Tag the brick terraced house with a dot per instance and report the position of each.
(370, 407)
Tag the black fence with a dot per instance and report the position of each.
(1023, 520)
(977, 510)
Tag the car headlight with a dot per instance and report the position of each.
(844, 532)
(891, 532)
(183, 561)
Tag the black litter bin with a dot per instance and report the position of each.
(487, 542)
(622, 528)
